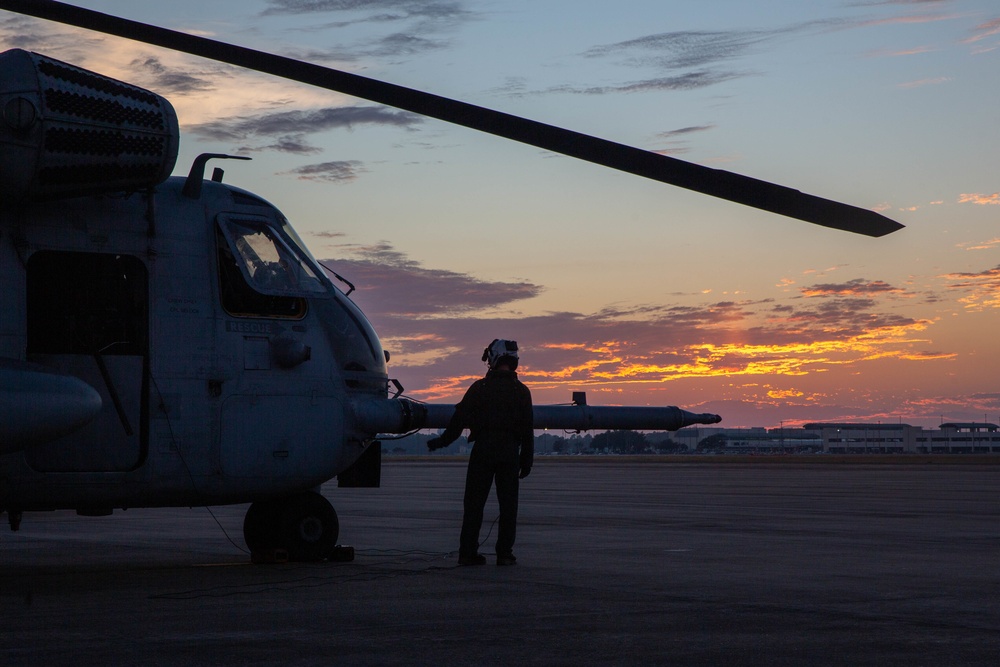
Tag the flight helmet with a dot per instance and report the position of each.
(501, 351)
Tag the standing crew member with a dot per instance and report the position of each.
(497, 411)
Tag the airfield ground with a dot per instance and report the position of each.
(623, 562)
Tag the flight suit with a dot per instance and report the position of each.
(497, 411)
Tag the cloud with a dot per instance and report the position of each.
(836, 318)
(422, 19)
(920, 83)
(384, 10)
(694, 59)
(401, 44)
(691, 49)
(887, 53)
(292, 144)
(990, 400)
(339, 171)
(395, 287)
(670, 134)
(686, 81)
(676, 144)
(436, 322)
(907, 19)
(983, 288)
(691, 59)
(392, 45)
(856, 287)
(201, 92)
(290, 129)
(980, 199)
(564, 351)
(984, 30)
(936, 409)
(984, 245)
(928, 354)
(298, 122)
(31, 34)
(168, 80)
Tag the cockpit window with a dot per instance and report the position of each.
(294, 236)
(259, 274)
(269, 264)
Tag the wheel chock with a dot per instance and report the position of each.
(269, 556)
(341, 554)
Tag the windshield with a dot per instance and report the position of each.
(269, 264)
(290, 232)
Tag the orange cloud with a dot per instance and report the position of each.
(980, 199)
(985, 245)
(564, 346)
(742, 359)
(636, 350)
(983, 288)
(440, 389)
(785, 393)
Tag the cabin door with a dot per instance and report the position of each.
(88, 317)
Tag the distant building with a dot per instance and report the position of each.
(847, 438)
(855, 438)
(950, 438)
(969, 437)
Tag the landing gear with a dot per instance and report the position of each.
(303, 526)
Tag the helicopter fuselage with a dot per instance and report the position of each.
(225, 359)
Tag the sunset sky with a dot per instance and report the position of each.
(634, 291)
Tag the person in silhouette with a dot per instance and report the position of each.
(498, 413)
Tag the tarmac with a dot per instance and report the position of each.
(619, 563)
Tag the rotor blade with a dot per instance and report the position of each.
(717, 183)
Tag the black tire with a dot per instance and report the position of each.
(309, 527)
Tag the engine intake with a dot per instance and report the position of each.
(66, 131)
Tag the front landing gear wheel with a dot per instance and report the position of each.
(303, 526)
(310, 527)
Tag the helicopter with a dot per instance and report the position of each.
(170, 341)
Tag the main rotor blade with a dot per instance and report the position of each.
(717, 183)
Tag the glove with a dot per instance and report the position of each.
(524, 472)
(435, 443)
